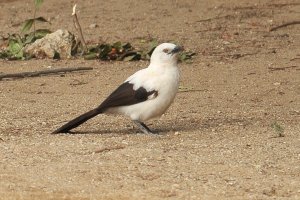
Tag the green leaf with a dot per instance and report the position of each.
(93, 49)
(186, 56)
(15, 48)
(152, 46)
(132, 56)
(90, 56)
(105, 49)
(127, 46)
(31, 37)
(129, 58)
(278, 129)
(40, 33)
(38, 3)
(27, 25)
(153, 43)
(183, 56)
(4, 54)
(41, 19)
(117, 46)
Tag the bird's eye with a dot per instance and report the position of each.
(166, 50)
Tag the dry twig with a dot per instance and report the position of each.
(281, 68)
(284, 25)
(293, 59)
(43, 72)
(280, 5)
(109, 149)
(78, 28)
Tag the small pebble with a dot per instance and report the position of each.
(276, 83)
(93, 26)
(176, 133)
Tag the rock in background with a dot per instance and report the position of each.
(55, 45)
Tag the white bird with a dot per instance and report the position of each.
(146, 94)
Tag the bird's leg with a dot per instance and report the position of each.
(143, 127)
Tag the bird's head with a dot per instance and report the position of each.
(166, 54)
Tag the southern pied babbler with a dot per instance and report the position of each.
(146, 94)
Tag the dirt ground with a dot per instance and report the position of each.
(215, 142)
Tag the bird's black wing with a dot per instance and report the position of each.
(125, 95)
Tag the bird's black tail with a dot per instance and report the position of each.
(77, 121)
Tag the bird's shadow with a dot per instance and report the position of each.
(174, 126)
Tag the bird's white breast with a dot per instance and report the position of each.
(164, 80)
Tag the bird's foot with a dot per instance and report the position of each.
(143, 127)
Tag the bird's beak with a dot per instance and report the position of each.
(176, 50)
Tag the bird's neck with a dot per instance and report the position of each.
(163, 65)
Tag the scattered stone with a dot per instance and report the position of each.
(55, 45)
(276, 83)
(92, 26)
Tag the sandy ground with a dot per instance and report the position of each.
(215, 142)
